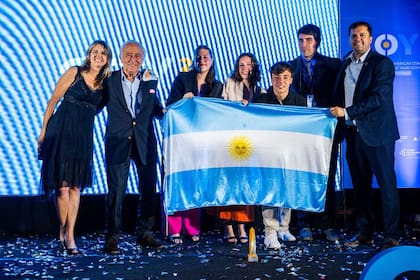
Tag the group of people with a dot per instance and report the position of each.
(358, 91)
(66, 140)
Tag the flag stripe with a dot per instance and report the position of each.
(217, 114)
(277, 149)
(245, 186)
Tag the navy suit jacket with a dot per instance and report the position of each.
(325, 74)
(373, 105)
(122, 128)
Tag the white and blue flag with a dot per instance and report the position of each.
(219, 153)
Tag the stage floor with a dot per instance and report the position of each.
(41, 257)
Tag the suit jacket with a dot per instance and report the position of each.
(324, 75)
(186, 82)
(373, 105)
(122, 128)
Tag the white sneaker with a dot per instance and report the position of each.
(271, 242)
(286, 236)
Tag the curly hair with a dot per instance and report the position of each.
(255, 76)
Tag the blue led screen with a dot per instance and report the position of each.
(396, 34)
(39, 40)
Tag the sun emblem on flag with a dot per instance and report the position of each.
(240, 147)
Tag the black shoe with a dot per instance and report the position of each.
(149, 241)
(359, 239)
(63, 245)
(111, 246)
(389, 243)
(331, 235)
(72, 251)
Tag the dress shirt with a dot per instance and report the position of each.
(308, 72)
(130, 92)
(352, 74)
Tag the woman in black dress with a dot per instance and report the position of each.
(65, 143)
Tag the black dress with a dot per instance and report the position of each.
(67, 149)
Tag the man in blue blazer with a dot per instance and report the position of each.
(132, 104)
(365, 97)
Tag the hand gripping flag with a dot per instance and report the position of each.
(219, 153)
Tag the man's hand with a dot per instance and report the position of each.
(337, 111)
(148, 76)
(188, 95)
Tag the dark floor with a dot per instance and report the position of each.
(40, 257)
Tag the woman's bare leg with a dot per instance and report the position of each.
(74, 202)
(62, 206)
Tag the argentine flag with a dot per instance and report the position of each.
(219, 153)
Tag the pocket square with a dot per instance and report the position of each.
(152, 90)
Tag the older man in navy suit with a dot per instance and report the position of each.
(132, 104)
(366, 109)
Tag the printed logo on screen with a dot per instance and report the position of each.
(388, 44)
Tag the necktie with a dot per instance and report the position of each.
(132, 108)
(308, 70)
(310, 99)
(138, 101)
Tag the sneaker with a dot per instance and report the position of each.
(271, 242)
(359, 239)
(331, 235)
(306, 234)
(286, 236)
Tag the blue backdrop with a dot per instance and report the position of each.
(396, 28)
(41, 39)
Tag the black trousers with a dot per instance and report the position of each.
(117, 176)
(365, 161)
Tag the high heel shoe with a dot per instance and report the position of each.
(176, 239)
(62, 238)
(243, 239)
(231, 239)
(72, 251)
(63, 245)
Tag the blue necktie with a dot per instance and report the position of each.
(139, 98)
(308, 71)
